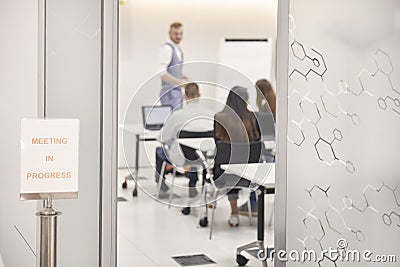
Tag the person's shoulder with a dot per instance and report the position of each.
(190, 109)
(201, 107)
(176, 114)
(220, 115)
(167, 46)
(168, 43)
(252, 114)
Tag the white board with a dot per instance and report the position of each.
(252, 58)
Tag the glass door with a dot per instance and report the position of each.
(343, 114)
(73, 90)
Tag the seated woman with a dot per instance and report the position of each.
(266, 103)
(266, 98)
(235, 124)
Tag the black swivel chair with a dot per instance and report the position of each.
(267, 128)
(232, 153)
(192, 156)
(192, 160)
(267, 125)
(188, 152)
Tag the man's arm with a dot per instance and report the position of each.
(167, 77)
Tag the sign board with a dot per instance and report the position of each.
(49, 158)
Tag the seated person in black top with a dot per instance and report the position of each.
(235, 124)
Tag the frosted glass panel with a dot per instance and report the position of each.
(344, 130)
(73, 91)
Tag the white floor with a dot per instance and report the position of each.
(150, 233)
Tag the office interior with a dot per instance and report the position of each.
(336, 75)
(139, 85)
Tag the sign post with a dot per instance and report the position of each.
(49, 170)
(48, 235)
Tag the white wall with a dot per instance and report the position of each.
(18, 98)
(144, 26)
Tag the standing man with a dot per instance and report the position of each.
(171, 59)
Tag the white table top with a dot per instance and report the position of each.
(137, 128)
(259, 173)
(208, 144)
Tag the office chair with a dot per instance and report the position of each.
(267, 125)
(230, 153)
(161, 178)
(193, 160)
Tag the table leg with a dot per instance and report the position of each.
(241, 260)
(135, 191)
(137, 155)
(136, 168)
(260, 216)
(135, 174)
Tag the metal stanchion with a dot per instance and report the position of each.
(48, 235)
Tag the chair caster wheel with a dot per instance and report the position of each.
(203, 222)
(124, 185)
(241, 260)
(186, 211)
(134, 193)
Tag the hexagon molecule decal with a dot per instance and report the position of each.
(298, 50)
(383, 62)
(335, 220)
(313, 245)
(295, 133)
(337, 134)
(299, 84)
(294, 108)
(326, 262)
(396, 193)
(350, 167)
(315, 227)
(331, 104)
(310, 111)
(325, 151)
(306, 87)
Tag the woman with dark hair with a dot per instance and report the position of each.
(266, 98)
(266, 103)
(235, 124)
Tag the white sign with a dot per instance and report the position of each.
(49, 158)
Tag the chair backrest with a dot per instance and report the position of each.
(267, 124)
(188, 134)
(188, 152)
(237, 152)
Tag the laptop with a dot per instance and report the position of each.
(154, 117)
(267, 125)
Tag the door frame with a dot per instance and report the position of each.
(282, 63)
(107, 250)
